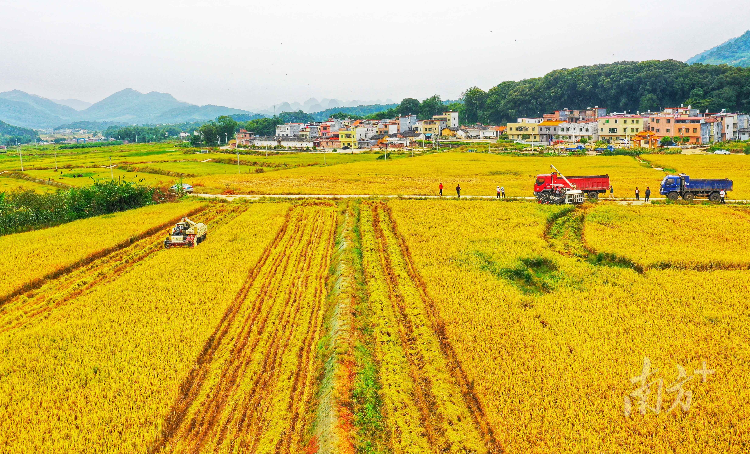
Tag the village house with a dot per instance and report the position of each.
(524, 129)
(574, 132)
(348, 138)
(618, 129)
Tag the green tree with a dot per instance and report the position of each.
(431, 106)
(409, 106)
(210, 133)
(226, 127)
(263, 126)
(474, 100)
(649, 102)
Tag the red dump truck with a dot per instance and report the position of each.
(547, 187)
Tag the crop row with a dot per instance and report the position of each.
(100, 372)
(425, 408)
(255, 385)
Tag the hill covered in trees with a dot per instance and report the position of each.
(735, 52)
(10, 134)
(622, 86)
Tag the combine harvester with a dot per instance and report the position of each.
(186, 233)
(554, 188)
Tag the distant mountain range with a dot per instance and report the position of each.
(735, 52)
(76, 104)
(312, 105)
(127, 107)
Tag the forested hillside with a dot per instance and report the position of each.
(735, 52)
(622, 86)
(10, 134)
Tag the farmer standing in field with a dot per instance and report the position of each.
(637, 194)
(502, 191)
(458, 190)
(648, 194)
(441, 189)
(723, 196)
(498, 192)
(611, 192)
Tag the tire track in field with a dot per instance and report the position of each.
(22, 309)
(191, 386)
(425, 399)
(229, 397)
(438, 325)
(255, 416)
(251, 410)
(303, 377)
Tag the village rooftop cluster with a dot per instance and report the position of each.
(673, 126)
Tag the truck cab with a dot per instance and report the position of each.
(670, 183)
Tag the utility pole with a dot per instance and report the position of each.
(19, 154)
(238, 161)
(226, 138)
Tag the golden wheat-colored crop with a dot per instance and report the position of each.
(478, 174)
(551, 342)
(101, 373)
(702, 237)
(31, 256)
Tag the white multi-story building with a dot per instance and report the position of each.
(574, 132)
(364, 132)
(288, 130)
(729, 121)
(407, 123)
(449, 118)
(743, 127)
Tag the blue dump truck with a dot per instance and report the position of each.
(676, 186)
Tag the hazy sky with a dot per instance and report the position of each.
(251, 55)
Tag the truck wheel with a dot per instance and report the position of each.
(593, 195)
(688, 196)
(714, 197)
(673, 196)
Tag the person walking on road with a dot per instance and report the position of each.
(502, 191)
(611, 192)
(648, 194)
(458, 190)
(498, 192)
(637, 194)
(723, 196)
(441, 189)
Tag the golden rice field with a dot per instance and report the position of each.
(477, 173)
(383, 325)
(8, 184)
(703, 237)
(36, 255)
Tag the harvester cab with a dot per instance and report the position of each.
(186, 233)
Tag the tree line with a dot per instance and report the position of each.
(27, 210)
(623, 86)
